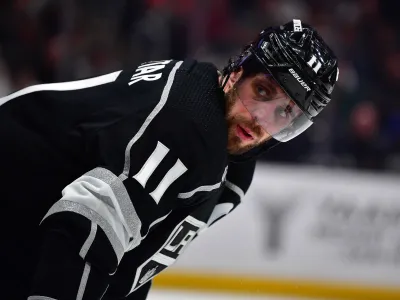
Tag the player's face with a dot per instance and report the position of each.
(244, 133)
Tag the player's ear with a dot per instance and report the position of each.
(233, 78)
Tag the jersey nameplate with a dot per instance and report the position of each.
(146, 72)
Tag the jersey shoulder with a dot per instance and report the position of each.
(197, 97)
(197, 101)
(196, 93)
(188, 87)
(185, 94)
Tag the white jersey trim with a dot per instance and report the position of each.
(204, 188)
(84, 280)
(101, 196)
(63, 86)
(235, 189)
(152, 115)
(89, 241)
(83, 210)
(219, 211)
(97, 195)
(155, 222)
(119, 200)
(40, 298)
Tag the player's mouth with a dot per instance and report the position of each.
(244, 133)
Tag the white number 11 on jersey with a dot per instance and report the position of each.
(151, 165)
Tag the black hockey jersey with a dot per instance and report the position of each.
(121, 171)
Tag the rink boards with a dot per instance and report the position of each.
(300, 231)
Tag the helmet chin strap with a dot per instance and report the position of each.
(224, 79)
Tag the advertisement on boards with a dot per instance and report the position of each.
(307, 223)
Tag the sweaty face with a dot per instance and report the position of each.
(244, 133)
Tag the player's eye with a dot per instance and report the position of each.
(261, 91)
(263, 94)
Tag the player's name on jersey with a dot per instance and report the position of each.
(146, 71)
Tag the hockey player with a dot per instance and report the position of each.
(105, 181)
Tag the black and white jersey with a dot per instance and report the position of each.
(178, 231)
(121, 171)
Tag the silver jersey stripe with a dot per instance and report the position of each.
(204, 188)
(152, 115)
(84, 280)
(65, 205)
(105, 291)
(64, 86)
(235, 189)
(89, 241)
(127, 209)
(40, 298)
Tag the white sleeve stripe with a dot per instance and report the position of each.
(40, 298)
(64, 86)
(163, 259)
(152, 115)
(235, 189)
(195, 222)
(121, 202)
(204, 188)
(156, 222)
(89, 241)
(84, 280)
(65, 205)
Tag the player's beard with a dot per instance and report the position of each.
(235, 146)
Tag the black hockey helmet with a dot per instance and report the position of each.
(302, 64)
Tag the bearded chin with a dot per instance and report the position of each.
(234, 142)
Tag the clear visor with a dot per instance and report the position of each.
(272, 108)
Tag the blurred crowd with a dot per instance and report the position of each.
(48, 41)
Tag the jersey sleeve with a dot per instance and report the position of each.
(238, 181)
(139, 165)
